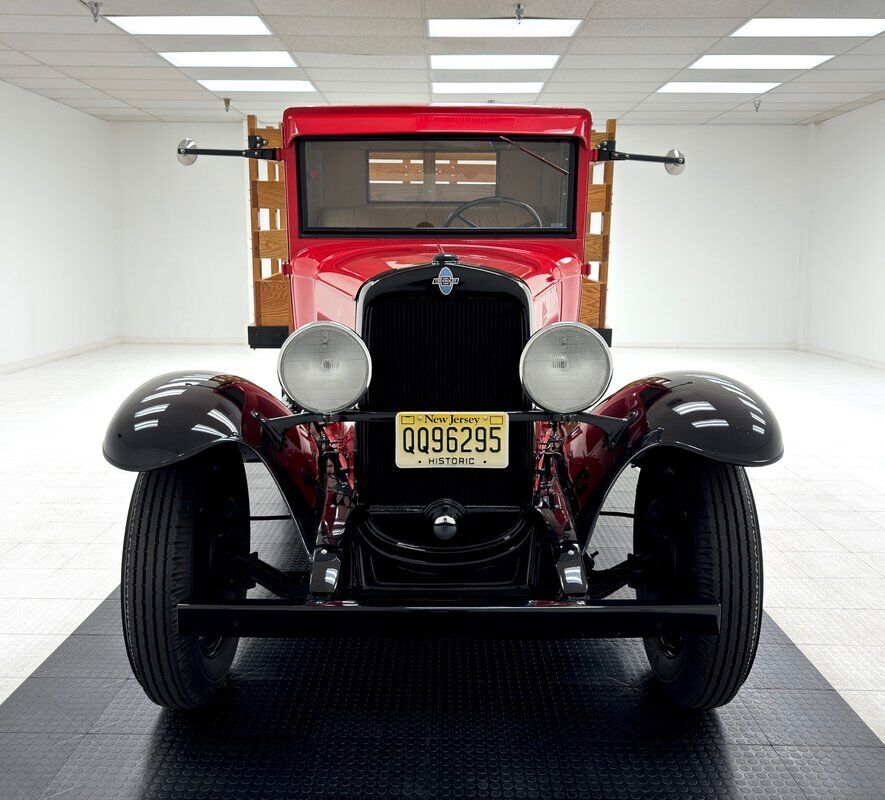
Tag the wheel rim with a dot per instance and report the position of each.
(218, 532)
(666, 532)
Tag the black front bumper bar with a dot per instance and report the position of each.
(538, 620)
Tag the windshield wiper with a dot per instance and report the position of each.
(534, 155)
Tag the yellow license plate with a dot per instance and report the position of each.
(475, 439)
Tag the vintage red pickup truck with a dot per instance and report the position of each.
(444, 440)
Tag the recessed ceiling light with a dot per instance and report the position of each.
(796, 26)
(758, 62)
(495, 28)
(238, 58)
(493, 62)
(716, 87)
(511, 87)
(192, 26)
(258, 86)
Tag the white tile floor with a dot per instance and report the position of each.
(822, 508)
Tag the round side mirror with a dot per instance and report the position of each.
(185, 158)
(673, 169)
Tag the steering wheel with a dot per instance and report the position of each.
(458, 213)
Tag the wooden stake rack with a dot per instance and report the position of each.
(594, 290)
(270, 288)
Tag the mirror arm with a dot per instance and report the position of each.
(606, 152)
(264, 153)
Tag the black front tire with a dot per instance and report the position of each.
(699, 517)
(182, 519)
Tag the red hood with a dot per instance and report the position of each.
(346, 265)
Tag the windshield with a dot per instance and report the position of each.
(495, 184)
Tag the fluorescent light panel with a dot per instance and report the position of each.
(493, 62)
(715, 87)
(817, 26)
(192, 26)
(758, 62)
(234, 58)
(512, 87)
(498, 28)
(258, 86)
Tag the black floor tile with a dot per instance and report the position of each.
(57, 705)
(96, 656)
(104, 621)
(847, 773)
(29, 761)
(808, 717)
(784, 667)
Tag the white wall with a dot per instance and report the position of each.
(844, 310)
(181, 234)
(57, 270)
(712, 256)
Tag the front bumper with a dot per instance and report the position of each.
(532, 620)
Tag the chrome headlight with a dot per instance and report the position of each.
(324, 367)
(565, 367)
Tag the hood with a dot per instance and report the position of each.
(347, 265)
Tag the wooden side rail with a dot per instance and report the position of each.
(267, 192)
(596, 245)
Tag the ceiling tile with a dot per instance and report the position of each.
(502, 45)
(458, 9)
(71, 94)
(176, 7)
(368, 75)
(738, 75)
(243, 73)
(136, 95)
(396, 97)
(823, 8)
(817, 97)
(158, 73)
(821, 75)
(166, 44)
(748, 121)
(95, 102)
(768, 45)
(699, 26)
(656, 76)
(622, 45)
(136, 83)
(377, 45)
(343, 26)
(609, 98)
(875, 45)
(13, 58)
(635, 61)
(28, 71)
(47, 83)
(797, 87)
(100, 58)
(858, 61)
(37, 23)
(402, 87)
(675, 8)
(499, 75)
(340, 8)
(39, 42)
(355, 61)
(604, 87)
(207, 101)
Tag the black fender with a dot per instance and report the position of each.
(700, 412)
(178, 415)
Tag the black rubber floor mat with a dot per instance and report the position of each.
(421, 720)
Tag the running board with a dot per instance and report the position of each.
(535, 620)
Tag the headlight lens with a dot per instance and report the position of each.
(565, 367)
(324, 367)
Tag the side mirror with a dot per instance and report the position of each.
(184, 157)
(674, 168)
